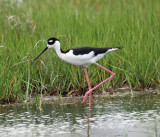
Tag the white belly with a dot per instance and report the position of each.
(81, 60)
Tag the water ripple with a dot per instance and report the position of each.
(108, 117)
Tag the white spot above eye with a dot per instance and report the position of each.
(51, 41)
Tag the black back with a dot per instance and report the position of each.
(86, 50)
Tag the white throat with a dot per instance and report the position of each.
(57, 47)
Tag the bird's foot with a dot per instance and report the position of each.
(85, 97)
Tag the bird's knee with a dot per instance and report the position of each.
(113, 74)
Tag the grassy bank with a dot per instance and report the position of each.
(133, 24)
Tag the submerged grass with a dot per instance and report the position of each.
(132, 24)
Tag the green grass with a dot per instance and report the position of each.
(133, 24)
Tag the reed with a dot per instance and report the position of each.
(132, 24)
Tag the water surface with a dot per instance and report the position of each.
(111, 116)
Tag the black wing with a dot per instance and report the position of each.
(87, 50)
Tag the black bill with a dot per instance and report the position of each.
(41, 53)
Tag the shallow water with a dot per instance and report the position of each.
(111, 116)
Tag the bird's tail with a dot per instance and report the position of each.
(113, 48)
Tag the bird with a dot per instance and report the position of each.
(81, 56)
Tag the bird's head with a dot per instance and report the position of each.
(51, 43)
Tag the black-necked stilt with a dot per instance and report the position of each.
(82, 56)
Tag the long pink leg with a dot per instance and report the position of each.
(90, 91)
(89, 85)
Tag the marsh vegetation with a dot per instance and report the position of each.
(133, 24)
